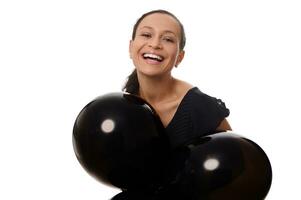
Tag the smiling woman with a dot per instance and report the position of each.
(156, 43)
(156, 47)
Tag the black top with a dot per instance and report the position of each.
(198, 114)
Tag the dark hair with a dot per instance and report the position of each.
(132, 84)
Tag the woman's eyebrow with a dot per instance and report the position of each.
(165, 31)
(149, 27)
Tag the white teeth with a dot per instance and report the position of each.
(149, 55)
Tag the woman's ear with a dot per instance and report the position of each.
(180, 58)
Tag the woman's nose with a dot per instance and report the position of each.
(155, 43)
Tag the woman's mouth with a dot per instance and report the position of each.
(152, 58)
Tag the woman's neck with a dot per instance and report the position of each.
(156, 89)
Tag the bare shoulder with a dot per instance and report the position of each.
(183, 87)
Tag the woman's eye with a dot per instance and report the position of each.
(146, 35)
(167, 39)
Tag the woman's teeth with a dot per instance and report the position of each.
(152, 56)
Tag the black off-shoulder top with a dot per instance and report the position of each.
(197, 115)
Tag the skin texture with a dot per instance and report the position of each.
(159, 34)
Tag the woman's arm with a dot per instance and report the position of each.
(224, 126)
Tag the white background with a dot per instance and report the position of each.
(56, 56)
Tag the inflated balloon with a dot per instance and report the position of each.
(222, 166)
(118, 139)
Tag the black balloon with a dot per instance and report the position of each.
(119, 140)
(222, 166)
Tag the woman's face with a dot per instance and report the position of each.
(155, 48)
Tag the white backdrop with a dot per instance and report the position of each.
(56, 56)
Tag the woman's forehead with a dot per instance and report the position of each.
(161, 22)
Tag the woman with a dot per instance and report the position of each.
(156, 47)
